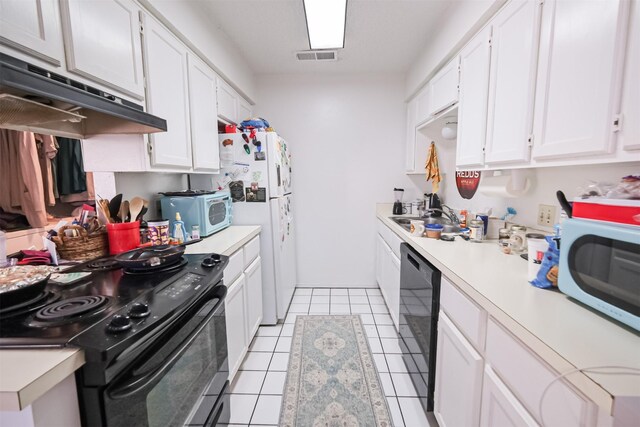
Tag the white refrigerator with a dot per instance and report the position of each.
(257, 171)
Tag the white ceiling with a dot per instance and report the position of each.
(381, 35)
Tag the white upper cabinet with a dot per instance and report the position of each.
(244, 110)
(411, 135)
(204, 116)
(227, 101)
(443, 87)
(422, 105)
(32, 26)
(167, 95)
(514, 51)
(102, 42)
(630, 130)
(577, 90)
(474, 90)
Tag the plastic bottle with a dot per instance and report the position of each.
(178, 229)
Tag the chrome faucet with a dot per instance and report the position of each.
(449, 213)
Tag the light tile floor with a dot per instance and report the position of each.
(256, 392)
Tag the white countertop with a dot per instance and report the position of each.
(564, 333)
(25, 375)
(225, 242)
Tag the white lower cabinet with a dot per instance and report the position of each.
(388, 270)
(458, 385)
(486, 376)
(243, 277)
(236, 320)
(253, 289)
(499, 406)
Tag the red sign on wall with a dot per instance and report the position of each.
(467, 183)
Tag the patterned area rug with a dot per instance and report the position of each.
(332, 379)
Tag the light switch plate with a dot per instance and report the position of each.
(546, 215)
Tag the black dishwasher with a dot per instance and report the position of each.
(419, 305)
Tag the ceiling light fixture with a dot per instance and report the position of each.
(326, 20)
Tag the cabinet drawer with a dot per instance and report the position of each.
(390, 237)
(470, 319)
(528, 378)
(234, 268)
(251, 251)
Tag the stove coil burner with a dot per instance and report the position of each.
(164, 269)
(71, 307)
(33, 304)
(104, 264)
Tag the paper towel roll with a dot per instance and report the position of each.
(503, 186)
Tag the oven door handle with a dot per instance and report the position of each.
(137, 383)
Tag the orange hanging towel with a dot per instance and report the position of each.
(432, 168)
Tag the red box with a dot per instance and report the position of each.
(621, 211)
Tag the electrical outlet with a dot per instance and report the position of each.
(546, 215)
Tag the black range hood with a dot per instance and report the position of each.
(38, 100)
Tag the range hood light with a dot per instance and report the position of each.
(326, 20)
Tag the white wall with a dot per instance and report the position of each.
(346, 134)
(147, 185)
(463, 20)
(191, 18)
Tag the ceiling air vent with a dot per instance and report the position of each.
(317, 55)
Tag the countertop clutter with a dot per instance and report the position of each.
(564, 333)
(26, 375)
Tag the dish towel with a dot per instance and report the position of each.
(432, 168)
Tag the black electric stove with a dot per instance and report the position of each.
(131, 325)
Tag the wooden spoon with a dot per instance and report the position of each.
(124, 210)
(135, 206)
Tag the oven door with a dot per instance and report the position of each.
(218, 214)
(165, 385)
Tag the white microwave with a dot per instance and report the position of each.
(600, 267)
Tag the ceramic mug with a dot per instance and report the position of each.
(417, 228)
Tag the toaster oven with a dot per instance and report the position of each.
(212, 212)
(600, 267)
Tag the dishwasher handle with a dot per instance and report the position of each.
(414, 262)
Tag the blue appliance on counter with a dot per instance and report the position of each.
(211, 211)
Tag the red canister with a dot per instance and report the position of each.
(123, 236)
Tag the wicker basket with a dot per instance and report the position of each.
(82, 247)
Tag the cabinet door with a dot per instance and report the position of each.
(236, 318)
(380, 258)
(578, 77)
(167, 95)
(393, 293)
(204, 116)
(254, 297)
(514, 50)
(411, 135)
(227, 101)
(458, 380)
(443, 87)
(244, 110)
(499, 406)
(422, 105)
(630, 132)
(474, 90)
(102, 42)
(32, 26)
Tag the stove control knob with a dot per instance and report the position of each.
(119, 323)
(208, 263)
(139, 310)
(216, 258)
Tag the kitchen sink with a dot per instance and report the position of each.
(405, 222)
